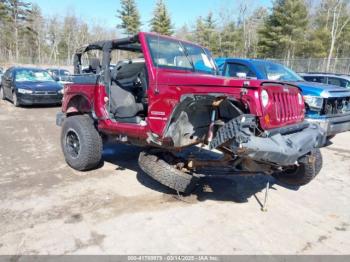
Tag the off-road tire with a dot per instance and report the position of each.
(304, 174)
(319, 161)
(15, 100)
(161, 171)
(90, 143)
(2, 94)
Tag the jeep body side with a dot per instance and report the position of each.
(177, 100)
(326, 105)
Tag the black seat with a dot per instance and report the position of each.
(126, 73)
(124, 91)
(94, 66)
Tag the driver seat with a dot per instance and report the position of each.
(122, 99)
(94, 66)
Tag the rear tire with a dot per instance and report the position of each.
(15, 100)
(304, 173)
(81, 143)
(2, 94)
(157, 168)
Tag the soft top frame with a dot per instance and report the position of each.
(125, 44)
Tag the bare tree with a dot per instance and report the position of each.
(337, 25)
(54, 38)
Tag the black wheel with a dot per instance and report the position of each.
(81, 143)
(15, 100)
(2, 94)
(157, 165)
(302, 174)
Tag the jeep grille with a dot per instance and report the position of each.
(287, 107)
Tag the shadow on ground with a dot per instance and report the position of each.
(236, 188)
(37, 106)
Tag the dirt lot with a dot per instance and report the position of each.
(47, 208)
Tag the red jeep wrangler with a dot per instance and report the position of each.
(167, 98)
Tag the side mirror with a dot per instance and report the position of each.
(56, 78)
(241, 75)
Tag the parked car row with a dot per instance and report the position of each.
(60, 75)
(30, 86)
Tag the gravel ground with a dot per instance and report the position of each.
(48, 208)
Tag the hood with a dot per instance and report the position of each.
(39, 86)
(322, 90)
(199, 79)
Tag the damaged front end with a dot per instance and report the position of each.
(224, 126)
(279, 147)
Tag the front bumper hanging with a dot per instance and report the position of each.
(333, 125)
(283, 148)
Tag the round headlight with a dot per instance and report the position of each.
(264, 98)
(300, 99)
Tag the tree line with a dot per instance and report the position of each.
(27, 36)
(290, 29)
(293, 28)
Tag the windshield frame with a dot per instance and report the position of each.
(262, 67)
(185, 51)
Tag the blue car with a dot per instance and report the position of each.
(1, 74)
(326, 105)
(29, 86)
(328, 78)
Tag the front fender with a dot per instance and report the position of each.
(190, 120)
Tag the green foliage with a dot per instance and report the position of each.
(284, 30)
(14, 14)
(317, 43)
(3, 11)
(161, 21)
(184, 33)
(231, 44)
(129, 16)
(206, 33)
(31, 29)
(344, 42)
(28, 37)
(319, 39)
(254, 24)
